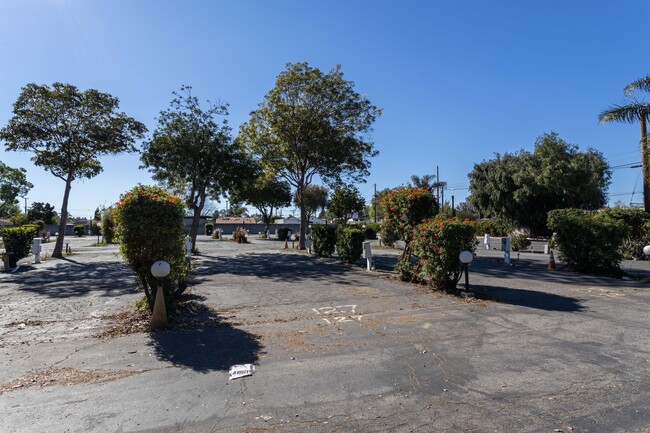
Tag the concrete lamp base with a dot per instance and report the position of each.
(159, 316)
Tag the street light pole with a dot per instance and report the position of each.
(465, 258)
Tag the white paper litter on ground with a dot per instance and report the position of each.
(237, 371)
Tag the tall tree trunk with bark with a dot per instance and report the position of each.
(58, 247)
(196, 219)
(645, 163)
(304, 220)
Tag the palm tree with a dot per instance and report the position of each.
(425, 181)
(635, 111)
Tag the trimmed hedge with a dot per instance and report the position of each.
(150, 224)
(109, 226)
(588, 243)
(519, 242)
(79, 230)
(349, 243)
(371, 230)
(638, 223)
(18, 240)
(437, 244)
(323, 239)
(283, 234)
(389, 233)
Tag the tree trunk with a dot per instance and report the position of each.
(304, 220)
(58, 247)
(196, 219)
(645, 163)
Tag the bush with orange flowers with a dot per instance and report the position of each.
(150, 228)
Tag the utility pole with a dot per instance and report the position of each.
(453, 209)
(438, 184)
(374, 197)
(25, 205)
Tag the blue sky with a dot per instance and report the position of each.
(458, 81)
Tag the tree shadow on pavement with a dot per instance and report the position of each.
(203, 341)
(534, 270)
(69, 278)
(528, 298)
(276, 266)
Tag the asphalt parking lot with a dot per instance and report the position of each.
(336, 348)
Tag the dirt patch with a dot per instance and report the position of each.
(65, 376)
(188, 313)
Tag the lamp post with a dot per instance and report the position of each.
(159, 270)
(646, 250)
(466, 258)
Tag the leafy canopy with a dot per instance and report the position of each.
(521, 188)
(312, 123)
(13, 184)
(42, 211)
(264, 194)
(193, 154)
(346, 201)
(315, 198)
(69, 130)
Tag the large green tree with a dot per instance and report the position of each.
(632, 112)
(42, 211)
(266, 194)
(315, 198)
(521, 188)
(13, 184)
(312, 123)
(193, 154)
(345, 202)
(68, 131)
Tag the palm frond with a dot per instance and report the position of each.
(625, 113)
(640, 84)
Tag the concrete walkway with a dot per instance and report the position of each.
(336, 349)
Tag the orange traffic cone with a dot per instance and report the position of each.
(551, 261)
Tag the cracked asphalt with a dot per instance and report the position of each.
(336, 348)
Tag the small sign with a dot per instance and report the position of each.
(237, 371)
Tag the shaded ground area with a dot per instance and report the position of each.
(336, 349)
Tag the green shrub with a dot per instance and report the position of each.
(405, 207)
(371, 230)
(18, 240)
(588, 243)
(323, 239)
(209, 227)
(109, 227)
(150, 226)
(437, 244)
(283, 233)
(33, 228)
(95, 228)
(519, 242)
(491, 227)
(405, 270)
(40, 224)
(638, 223)
(349, 243)
(389, 233)
(240, 236)
(79, 230)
